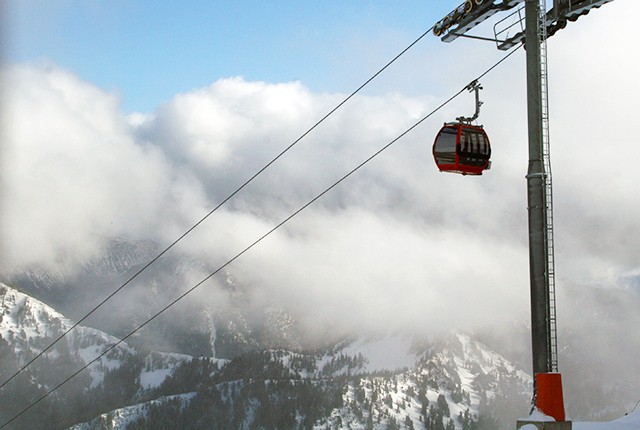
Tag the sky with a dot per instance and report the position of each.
(133, 120)
(147, 52)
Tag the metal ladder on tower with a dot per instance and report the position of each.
(548, 192)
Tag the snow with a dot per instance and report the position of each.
(27, 315)
(628, 422)
(487, 358)
(153, 378)
(538, 416)
(24, 319)
(388, 353)
(119, 419)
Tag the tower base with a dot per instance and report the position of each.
(549, 398)
(543, 425)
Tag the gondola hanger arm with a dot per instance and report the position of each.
(473, 86)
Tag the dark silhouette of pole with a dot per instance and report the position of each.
(540, 321)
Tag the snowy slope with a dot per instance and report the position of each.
(450, 381)
(384, 353)
(628, 422)
(28, 325)
(120, 377)
(119, 419)
(378, 383)
(398, 378)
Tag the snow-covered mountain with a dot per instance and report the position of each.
(117, 258)
(123, 417)
(191, 326)
(364, 383)
(268, 373)
(449, 389)
(121, 374)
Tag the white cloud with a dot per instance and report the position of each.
(71, 170)
(594, 105)
(396, 245)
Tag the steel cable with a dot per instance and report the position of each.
(257, 241)
(193, 227)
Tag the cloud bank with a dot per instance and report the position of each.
(397, 245)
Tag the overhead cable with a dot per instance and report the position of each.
(233, 194)
(257, 241)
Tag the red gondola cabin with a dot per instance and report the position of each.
(462, 148)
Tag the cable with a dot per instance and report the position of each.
(247, 182)
(257, 241)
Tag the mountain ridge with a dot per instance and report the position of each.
(597, 356)
(349, 379)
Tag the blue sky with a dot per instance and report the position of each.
(148, 51)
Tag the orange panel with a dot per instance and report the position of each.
(549, 395)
